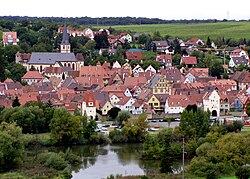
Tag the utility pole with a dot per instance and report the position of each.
(183, 157)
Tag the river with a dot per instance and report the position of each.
(102, 161)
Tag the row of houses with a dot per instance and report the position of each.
(169, 90)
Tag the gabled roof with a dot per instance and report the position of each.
(88, 81)
(51, 58)
(179, 100)
(8, 80)
(101, 97)
(32, 75)
(199, 72)
(67, 82)
(239, 60)
(172, 73)
(164, 58)
(134, 81)
(124, 100)
(161, 43)
(153, 81)
(134, 55)
(93, 71)
(190, 60)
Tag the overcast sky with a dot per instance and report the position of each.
(164, 9)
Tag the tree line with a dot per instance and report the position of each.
(110, 20)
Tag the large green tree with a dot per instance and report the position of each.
(195, 124)
(11, 146)
(64, 127)
(101, 40)
(136, 128)
(222, 157)
(123, 116)
(15, 71)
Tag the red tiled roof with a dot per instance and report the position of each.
(33, 75)
(189, 60)
(134, 55)
(53, 70)
(179, 100)
(124, 100)
(134, 81)
(164, 58)
(8, 80)
(26, 97)
(198, 72)
(93, 71)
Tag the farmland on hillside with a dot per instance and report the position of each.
(234, 30)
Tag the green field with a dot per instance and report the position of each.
(234, 30)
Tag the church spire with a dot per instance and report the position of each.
(65, 39)
(65, 45)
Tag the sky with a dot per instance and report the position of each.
(163, 9)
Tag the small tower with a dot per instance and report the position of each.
(65, 45)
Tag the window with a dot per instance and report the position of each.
(90, 103)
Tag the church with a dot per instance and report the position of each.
(64, 58)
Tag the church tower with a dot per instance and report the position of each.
(65, 45)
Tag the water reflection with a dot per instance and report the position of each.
(111, 159)
(102, 161)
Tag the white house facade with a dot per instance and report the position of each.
(211, 102)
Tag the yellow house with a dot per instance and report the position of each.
(106, 107)
(153, 102)
(127, 66)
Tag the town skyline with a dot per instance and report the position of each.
(162, 9)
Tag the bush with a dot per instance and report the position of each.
(71, 158)
(117, 136)
(52, 160)
(38, 139)
(236, 126)
(99, 139)
(243, 172)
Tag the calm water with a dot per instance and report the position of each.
(102, 161)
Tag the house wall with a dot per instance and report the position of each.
(56, 75)
(231, 63)
(154, 102)
(114, 99)
(174, 110)
(30, 81)
(213, 103)
(107, 106)
(137, 110)
(90, 111)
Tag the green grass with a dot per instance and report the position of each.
(234, 30)
(246, 130)
(231, 177)
(12, 175)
